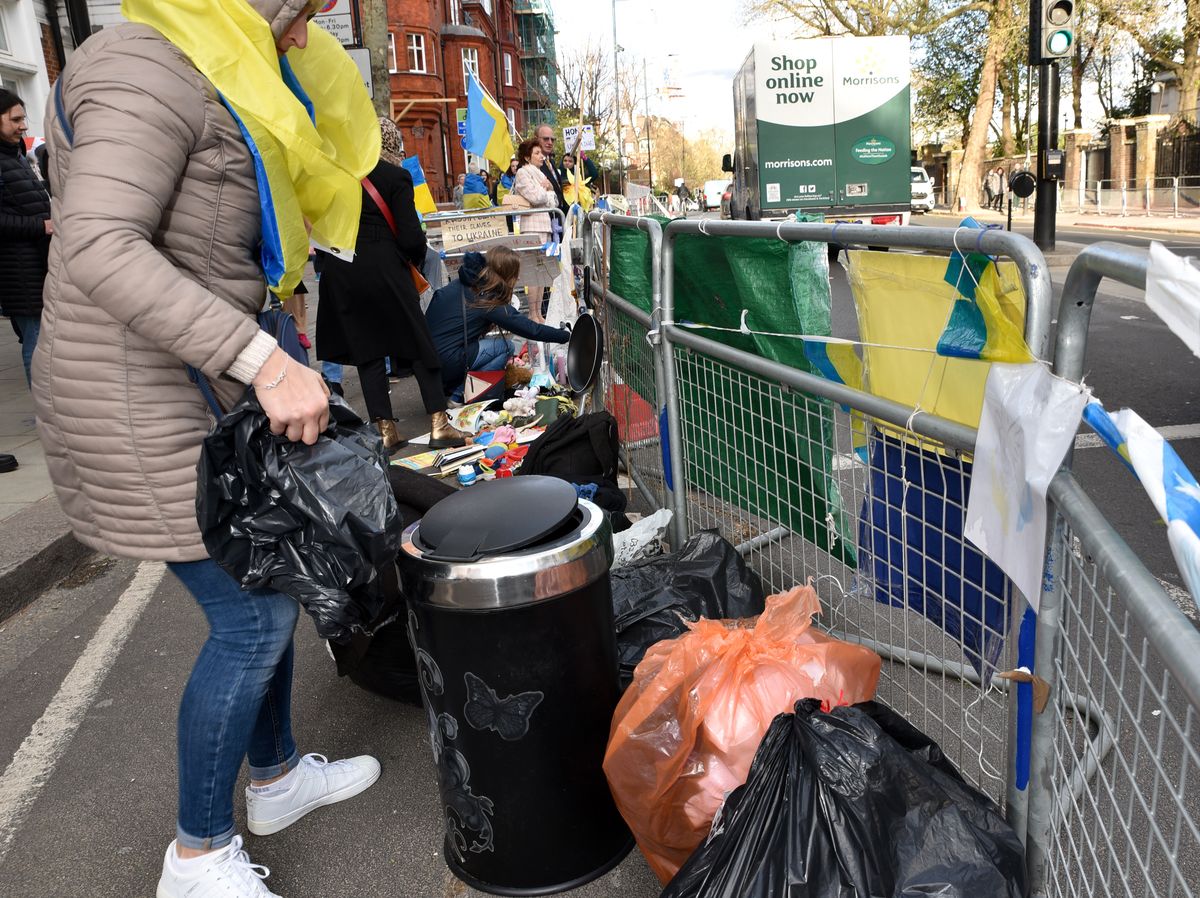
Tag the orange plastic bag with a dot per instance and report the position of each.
(687, 729)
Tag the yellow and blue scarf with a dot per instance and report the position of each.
(307, 120)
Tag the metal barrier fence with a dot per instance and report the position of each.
(1175, 196)
(1096, 782)
(1112, 811)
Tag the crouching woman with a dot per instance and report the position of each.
(462, 313)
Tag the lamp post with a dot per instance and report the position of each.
(649, 133)
(617, 94)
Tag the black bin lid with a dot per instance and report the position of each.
(495, 517)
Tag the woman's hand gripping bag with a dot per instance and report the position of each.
(686, 730)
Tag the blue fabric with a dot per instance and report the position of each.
(332, 372)
(475, 184)
(586, 491)
(1026, 644)
(912, 546)
(506, 181)
(965, 335)
(293, 83)
(270, 244)
(237, 702)
(962, 273)
(29, 328)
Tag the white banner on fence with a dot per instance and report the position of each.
(1173, 294)
(1029, 421)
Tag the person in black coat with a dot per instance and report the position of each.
(369, 309)
(25, 229)
(461, 313)
(545, 139)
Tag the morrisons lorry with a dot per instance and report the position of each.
(822, 125)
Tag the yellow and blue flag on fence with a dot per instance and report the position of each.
(1172, 488)
(487, 126)
(980, 326)
(306, 118)
(421, 192)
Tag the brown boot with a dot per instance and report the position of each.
(443, 434)
(391, 439)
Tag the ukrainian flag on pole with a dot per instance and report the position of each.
(487, 126)
(421, 193)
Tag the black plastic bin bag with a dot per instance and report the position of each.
(654, 599)
(317, 523)
(853, 803)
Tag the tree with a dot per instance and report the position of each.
(864, 18)
(1000, 34)
(946, 75)
(1145, 21)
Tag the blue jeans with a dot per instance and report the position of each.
(493, 354)
(332, 372)
(238, 701)
(29, 327)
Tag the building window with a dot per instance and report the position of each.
(508, 69)
(416, 53)
(470, 58)
(392, 53)
(512, 118)
(455, 12)
(4, 48)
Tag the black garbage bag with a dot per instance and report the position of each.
(853, 803)
(654, 599)
(316, 522)
(384, 662)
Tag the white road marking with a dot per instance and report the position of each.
(1169, 432)
(1130, 318)
(1182, 598)
(42, 749)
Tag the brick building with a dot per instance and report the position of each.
(432, 44)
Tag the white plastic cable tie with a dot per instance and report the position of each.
(742, 326)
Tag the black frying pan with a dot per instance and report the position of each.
(585, 352)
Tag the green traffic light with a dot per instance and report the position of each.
(1058, 42)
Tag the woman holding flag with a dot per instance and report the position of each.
(186, 159)
(535, 188)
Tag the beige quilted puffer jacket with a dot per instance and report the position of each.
(154, 265)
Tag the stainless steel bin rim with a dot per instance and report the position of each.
(514, 579)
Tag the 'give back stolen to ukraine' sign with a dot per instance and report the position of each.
(457, 232)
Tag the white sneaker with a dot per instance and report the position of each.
(225, 873)
(317, 783)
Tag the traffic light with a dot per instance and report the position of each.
(1052, 33)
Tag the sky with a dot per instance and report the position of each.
(701, 50)
(698, 51)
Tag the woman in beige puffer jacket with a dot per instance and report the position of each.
(155, 266)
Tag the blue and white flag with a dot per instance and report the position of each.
(1169, 484)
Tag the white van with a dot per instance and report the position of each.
(923, 199)
(710, 194)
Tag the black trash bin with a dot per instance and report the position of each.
(511, 618)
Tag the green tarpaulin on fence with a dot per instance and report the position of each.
(760, 448)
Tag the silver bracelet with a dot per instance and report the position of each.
(279, 379)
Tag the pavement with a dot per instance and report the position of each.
(1151, 223)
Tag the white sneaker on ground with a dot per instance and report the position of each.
(225, 873)
(317, 782)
